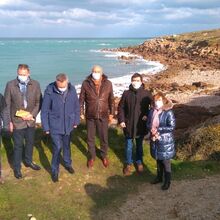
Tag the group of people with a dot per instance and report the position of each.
(139, 113)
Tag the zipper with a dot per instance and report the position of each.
(64, 112)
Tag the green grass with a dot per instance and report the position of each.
(211, 36)
(87, 193)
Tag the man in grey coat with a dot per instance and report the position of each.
(23, 100)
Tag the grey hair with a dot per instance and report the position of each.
(61, 77)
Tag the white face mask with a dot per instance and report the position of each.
(22, 78)
(96, 76)
(136, 85)
(158, 104)
(62, 89)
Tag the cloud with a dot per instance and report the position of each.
(10, 2)
(113, 17)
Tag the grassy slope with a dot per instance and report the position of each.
(86, 193)
(212, 36)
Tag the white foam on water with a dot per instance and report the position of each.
(120, 84)
(95, 51)
(63, 41)
(104, 44)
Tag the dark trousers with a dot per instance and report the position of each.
(101, 125)
(60, 142)
(23, 139)
(0, 156)
(166, 164)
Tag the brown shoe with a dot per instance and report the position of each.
(127, 170)
(90, 163)
(105, 162)
(140, 168)
(1, 180)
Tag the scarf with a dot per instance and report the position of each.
(155, 118)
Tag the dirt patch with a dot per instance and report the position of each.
(186, 199)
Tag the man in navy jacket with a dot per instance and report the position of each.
(60, 114)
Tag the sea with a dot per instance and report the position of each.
(75, 57)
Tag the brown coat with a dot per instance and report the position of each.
(97, 106)
(14, 102)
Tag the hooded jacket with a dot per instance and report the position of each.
(164, 148)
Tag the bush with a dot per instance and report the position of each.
(202, 144)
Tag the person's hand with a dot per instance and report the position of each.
(11, 127)
(110, 119)
(74, 126)
(153, 131)
(123, 125)
(82, 117)
(144, 118)
(28, 118)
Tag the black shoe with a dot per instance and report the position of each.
(70, 170)
(55, 177)
(159, 177)
(167, 181)
(33, 166)
(166, 186)
(157, 180)
(17, 174)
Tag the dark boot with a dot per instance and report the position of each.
(167, 181)
(159, 177)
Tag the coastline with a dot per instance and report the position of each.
(188, 77)
(191, 78)
(122, 83)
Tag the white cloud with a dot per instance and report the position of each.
(10, 2)
(178, 14)
(74, 15)
(78, 13)
(113, 15)
(123, 2)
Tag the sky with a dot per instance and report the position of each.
(106, 18)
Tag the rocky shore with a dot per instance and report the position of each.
(191, 79)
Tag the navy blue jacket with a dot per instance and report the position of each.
(4, 114)
(59, 114)
(163, 149)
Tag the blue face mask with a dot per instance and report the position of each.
(22, 78)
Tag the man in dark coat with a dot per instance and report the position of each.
(133, 110)
(4, 124)
(23, 100)
(97, 106)
(60, 114)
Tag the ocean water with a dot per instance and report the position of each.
(75, 57)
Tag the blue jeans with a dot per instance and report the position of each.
(23, 138)
(60, 142)
(129, 150)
